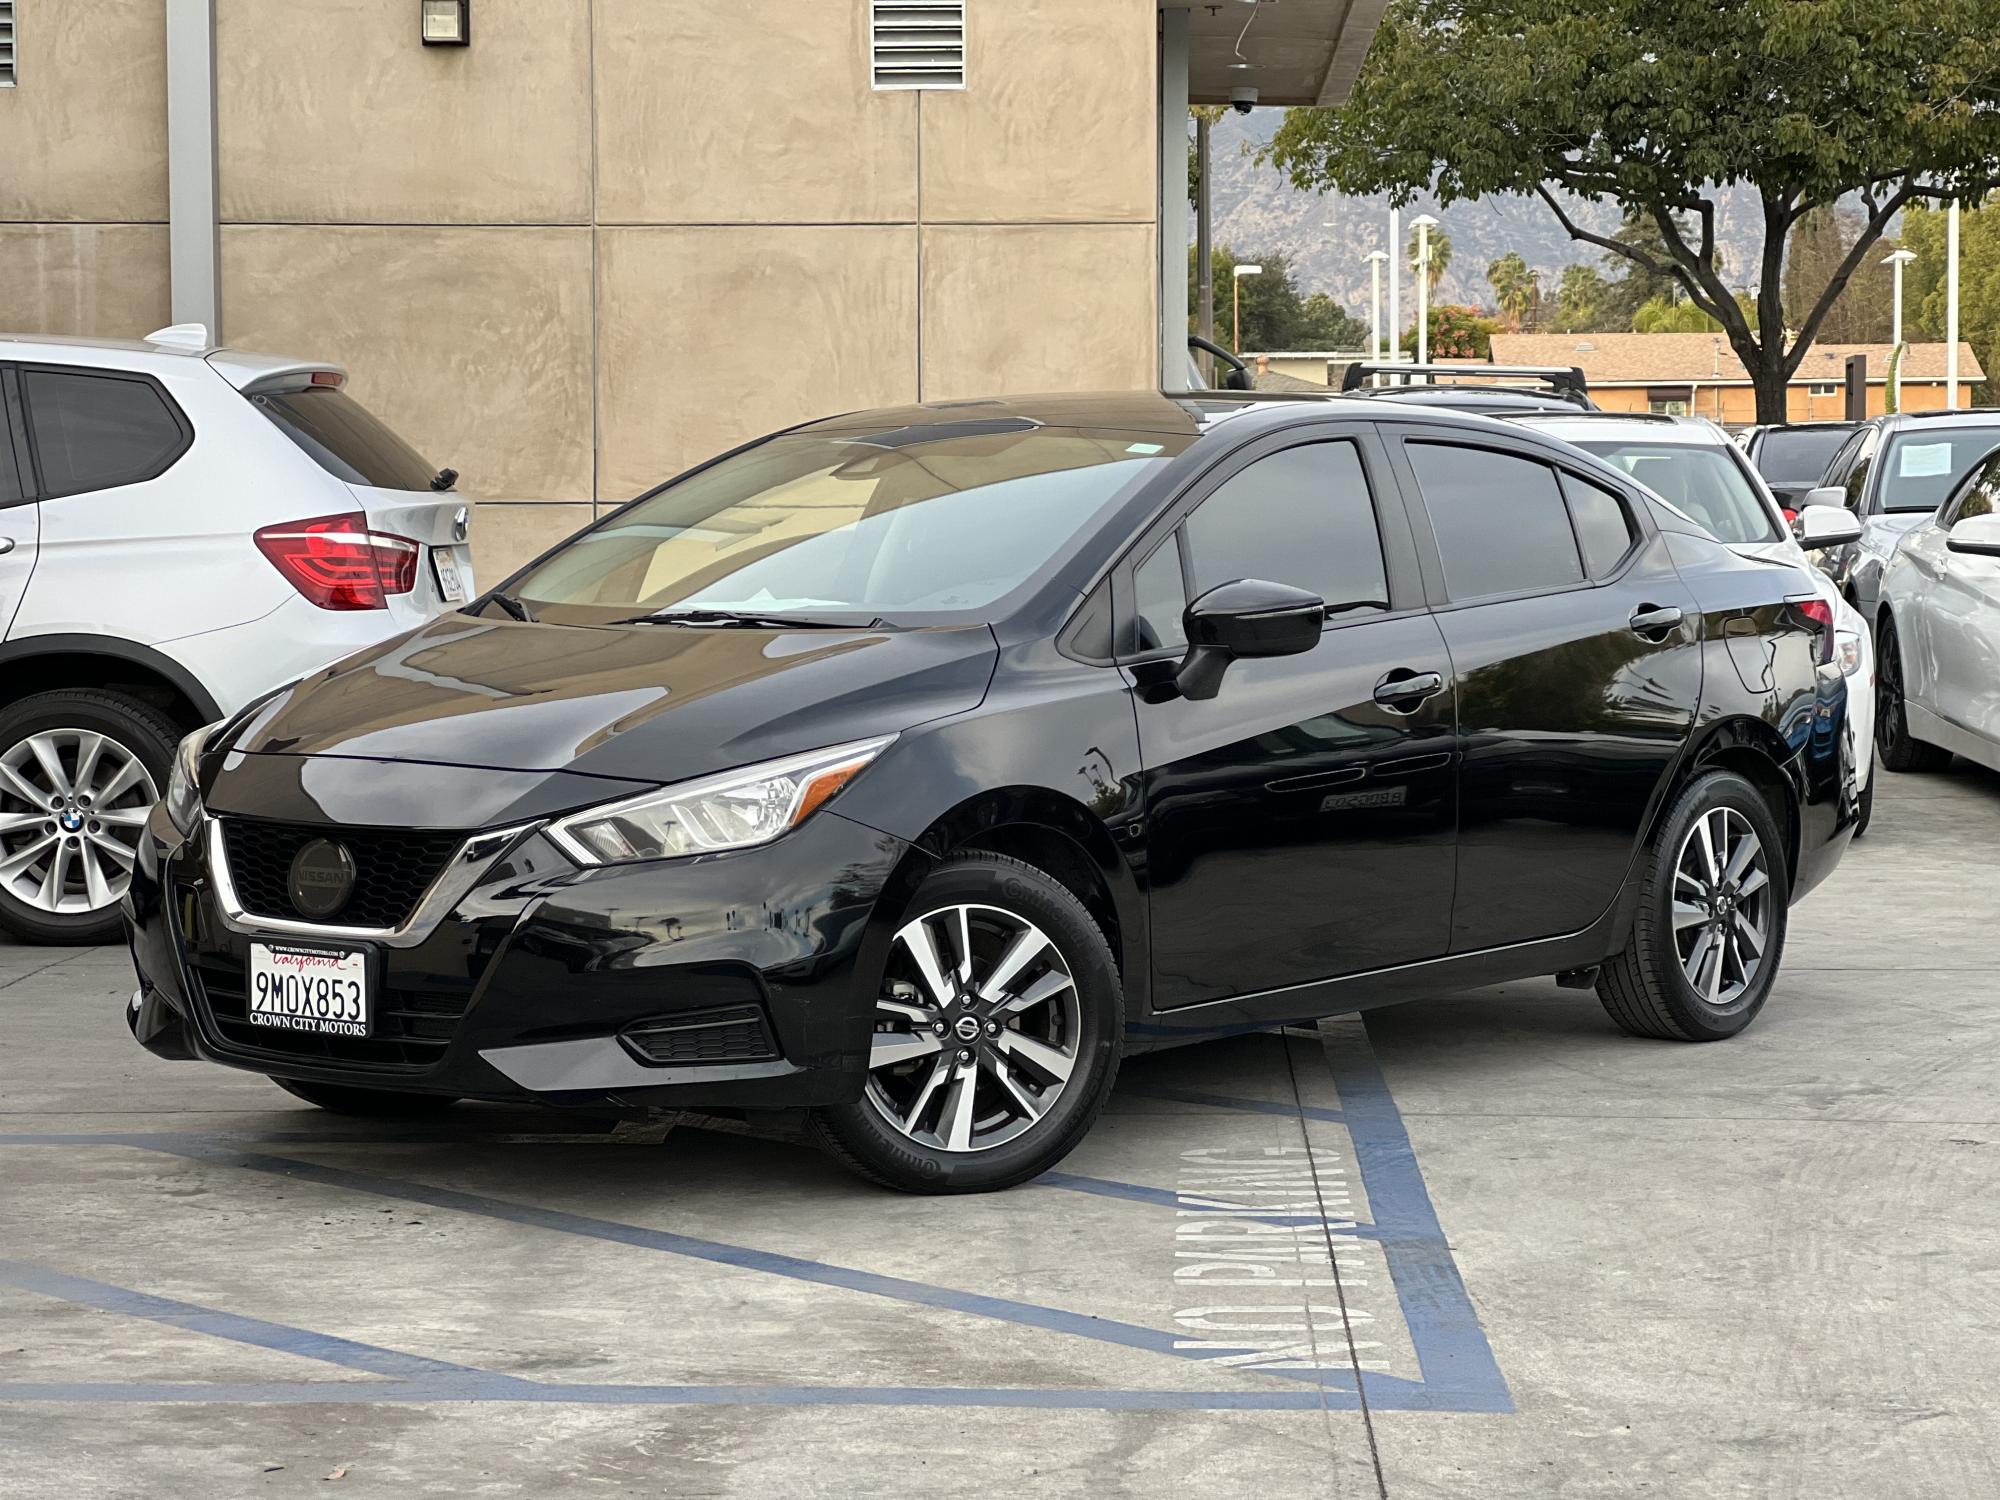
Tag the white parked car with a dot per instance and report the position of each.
(183, 528)
(1940, 633)
(1692, 464)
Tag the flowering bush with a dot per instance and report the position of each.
(1457, 333)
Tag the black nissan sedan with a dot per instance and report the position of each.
(911, 767)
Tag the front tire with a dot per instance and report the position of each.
(80, 770)
(372, 1104)
(1895, 747)
(998, 1025)
(1710, 929)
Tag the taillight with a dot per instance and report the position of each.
(1791, 516)
(1818, 616)
(336, 562)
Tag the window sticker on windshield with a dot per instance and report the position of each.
(1923, 460)
(1145, 449)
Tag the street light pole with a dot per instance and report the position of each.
(1396, 286)
(1375, 259)
(1424, 224)
(1951, 309)
(1896, 261)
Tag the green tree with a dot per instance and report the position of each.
(1275, 315)
(1861, 314)
(1516, 288)
(1440, 256)
(1654, 107)
(1580, 298)
(1325, 324)
(1978, 284)
(1639, 283)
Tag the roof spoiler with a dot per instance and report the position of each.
(1563, 380)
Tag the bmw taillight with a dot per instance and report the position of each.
(336, 562)
(1817, 615)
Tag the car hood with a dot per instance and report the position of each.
(650, 703)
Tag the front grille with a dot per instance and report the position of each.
(413, 1022)
(736, 1033)
(393, 869)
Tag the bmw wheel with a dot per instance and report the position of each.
(1710, 930)
(1895, 746)
(80, 771)
(997, 1030)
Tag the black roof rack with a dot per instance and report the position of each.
(1565, 381)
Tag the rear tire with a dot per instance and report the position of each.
(66, 756)
(983, 1083)
(374, 1104)
(1895, 747)
(1710, 928)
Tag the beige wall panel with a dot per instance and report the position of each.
(707, 337)
(1088, 326)
(334, 110)
(505, 536)
(472, 343)
(84, 133)
(754, 111)
(1056, 120)
(84, 280)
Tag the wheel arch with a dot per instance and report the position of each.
(44, 663)
(1758, 753)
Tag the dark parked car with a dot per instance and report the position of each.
(913, 766)
(1793, 456)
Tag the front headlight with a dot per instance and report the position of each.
(1847, 651)
(735, 810)
(183, 797)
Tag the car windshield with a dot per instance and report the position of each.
(1799, 455)
(1922, 467)
(905, 523)
(1701, 482)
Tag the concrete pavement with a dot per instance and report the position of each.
(1557, 1261)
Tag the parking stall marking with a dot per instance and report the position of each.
(1263, 1198)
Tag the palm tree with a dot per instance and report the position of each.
(1516, 289)
(1440, 256)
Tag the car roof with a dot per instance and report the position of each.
(1965, 416)
(1579, 427)
(165, 351)
(1492, 400)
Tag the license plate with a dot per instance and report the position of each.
(444, 562)
(323, 990)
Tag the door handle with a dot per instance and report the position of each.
(1655, 623)
(1404, 691)
(6, 545)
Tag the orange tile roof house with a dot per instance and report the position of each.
(1700, 374)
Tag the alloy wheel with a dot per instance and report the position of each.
(976, 1030)
(1722, 906)
(1889, 726)
(73, 806)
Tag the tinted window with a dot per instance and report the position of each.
(903, 523)
(1603, 528)
(1500, 522)
(1162, 599)
(1302, 517)
(1981, 493)
(1921, 467)
(1705, 483)
(345, 438)
(1798, 455)
(1857, 482)
(94, 432)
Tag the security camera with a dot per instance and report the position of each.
(1243, 100)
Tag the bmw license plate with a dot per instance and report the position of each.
(323, 990)
(451, 582)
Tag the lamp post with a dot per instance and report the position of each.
(1375, 259)
(1396, 286)
(1896, 261)
(1951, 309)
(1424, 225)
(1236, 275)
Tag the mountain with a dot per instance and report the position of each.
(1258, 211)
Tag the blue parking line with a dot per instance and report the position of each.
(225, 1325)
(1456, 1361)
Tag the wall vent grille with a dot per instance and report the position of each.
(917, 44)
(6, 44)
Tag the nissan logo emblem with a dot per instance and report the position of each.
(322, 879)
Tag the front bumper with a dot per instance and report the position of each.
(548, 983)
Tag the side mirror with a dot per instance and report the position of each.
(1825, 494)
(1977, 536)
(1238, 380)
(1247, 618)
(1827, 526)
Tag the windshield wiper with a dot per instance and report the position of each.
(512, 606)
(730, 619)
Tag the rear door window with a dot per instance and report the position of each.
(95, 431)
(346, 439)
(1604, 529)
(1499, 519)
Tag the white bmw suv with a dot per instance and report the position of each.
(182, 529)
